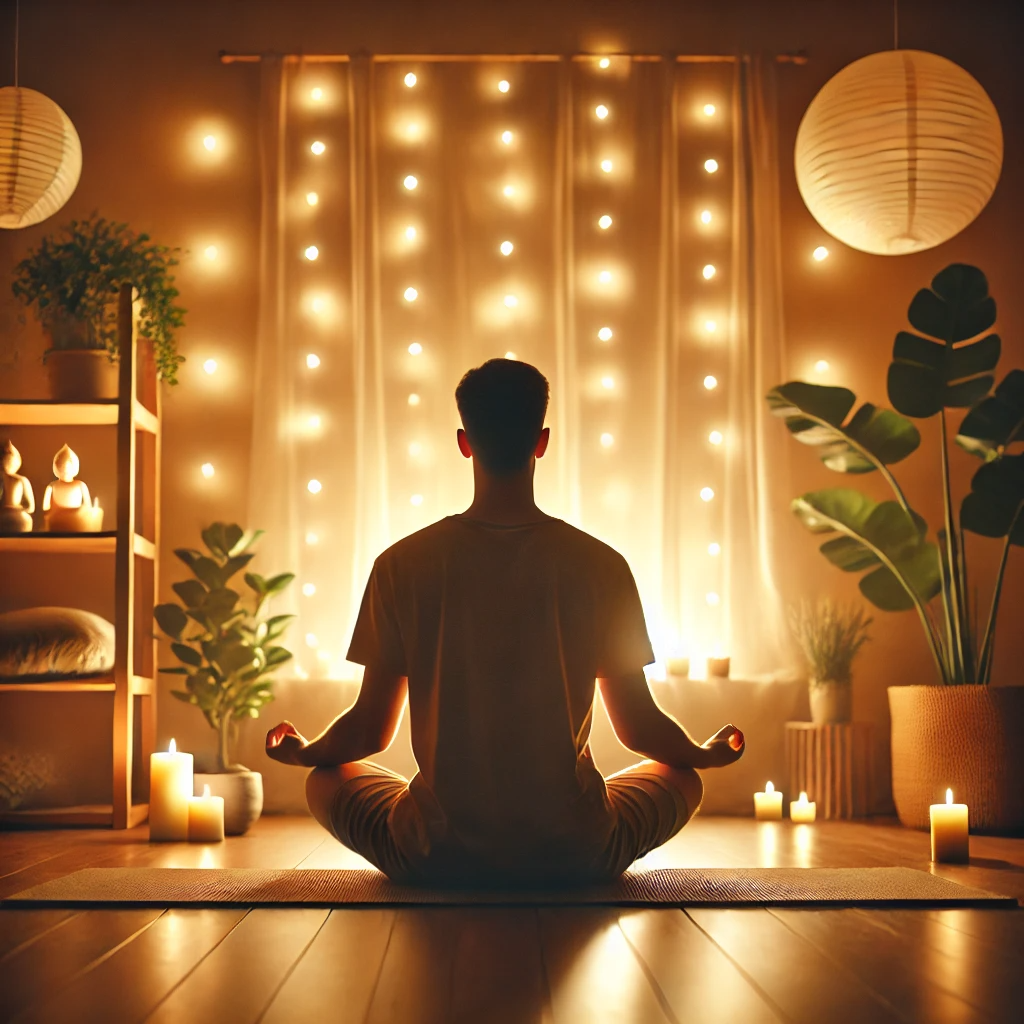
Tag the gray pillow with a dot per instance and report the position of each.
(47, 643)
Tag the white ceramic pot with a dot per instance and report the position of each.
(243, 797)
(831, 703)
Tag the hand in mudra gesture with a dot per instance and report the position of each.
(725, 747)
(286, 744)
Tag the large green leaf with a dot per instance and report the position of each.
(171, 619)
(996, 423)
(215, 540)
(219, 606)
(875, 536)
(994, 505)
(188, 655)
(815, 415)
(928, 375)
(192, 592)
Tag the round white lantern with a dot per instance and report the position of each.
(40, 157)
(899, 152)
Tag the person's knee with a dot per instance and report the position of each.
(321, 788)
(690, 785)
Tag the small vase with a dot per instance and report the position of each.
(243, 797)
(831, 703)
(81, 375)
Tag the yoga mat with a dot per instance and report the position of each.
(668, 887)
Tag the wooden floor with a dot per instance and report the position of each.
(566, 966)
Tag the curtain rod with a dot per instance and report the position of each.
(799, 58)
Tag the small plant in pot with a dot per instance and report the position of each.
(962, 733)
(228, 650)
(830, 636)
(72, 281)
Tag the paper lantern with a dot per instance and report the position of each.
(40, 157)
(899, 152)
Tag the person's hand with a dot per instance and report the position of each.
(725, 747)
(286, 744)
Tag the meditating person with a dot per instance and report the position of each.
(498, 624)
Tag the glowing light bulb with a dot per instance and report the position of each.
(608, 383)
(206, 469)
(316, 94)
(510, 355)
(417, 500)
(821, 366)
(506, 137)
(312, 198)
(410, 80)
(710, 326)
(318, 148)
(506, 248)
(601, 111)
(415, 449)
(508, 191)
(604, 222)
(210, 143)
(606, 166)
(312, 539)
(711, 166)
(312, 360)
(311, 253)
(410, 294)
(318, 305)
(511, 301)
(712, 598)
(313, 422)
(709, 110)
(714, 549)
(821, 253)
(715, 437)
(710, 382)
(605, 334)
(210, 252)
(314, 486)
(705, 216)
(604, 63)
(415, 348)
(706, 494)
(410, 233)
(607, 440)
(709, 271)
(410, 181)
(210, 366)
(503, 86)
(604, 276)
(414, 399)
(311, 640)
(308, 589)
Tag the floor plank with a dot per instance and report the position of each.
(18, 928)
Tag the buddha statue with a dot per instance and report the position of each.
(67, 505)
(18, 500)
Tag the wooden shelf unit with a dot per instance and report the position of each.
(136, 411)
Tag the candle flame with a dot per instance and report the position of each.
(769, 788)
(172, 748)
(803, 797)
(949, 796)
(206, 792)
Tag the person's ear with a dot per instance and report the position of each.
(460, 436)
(542, 443)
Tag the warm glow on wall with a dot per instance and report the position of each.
(410, 234)
(606, 166)
(506, 137)
(410, 294)
(416, 499)
(710, 383)
(312, 198)
(709, 110)
(607, 440)
(206, 469)
(604, 63)
(311, 252)
(608, 383)
(711, 166)
(312, 360)
(414, 399)
(711, 326)
(511, 355)
(715, 437)
(415, 349)
(706, 494)
(821, 366)
(210, 252)
(705, 216)
(410, 181)
(314, 486)
(312, 539)
(709, 271)
(821, 253)
(511, 301)
(210, 366)
(210, 143)
(508, 191)
(503, 86)
(318, 148)
(308, 589)
(316, 94)
(506, 248)
(714, 549)
(410, 80)
(712, 598)
(604, 222)
(601, 111)
(605, 334)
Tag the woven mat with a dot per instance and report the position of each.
(692, 887)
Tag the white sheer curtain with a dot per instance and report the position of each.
(405, 179)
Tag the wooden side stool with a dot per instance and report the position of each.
(832, 764)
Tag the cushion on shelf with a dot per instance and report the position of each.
(47, 643)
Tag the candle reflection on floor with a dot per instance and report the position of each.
(768, 844)
(803, 840)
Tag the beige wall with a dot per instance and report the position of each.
(137, 77)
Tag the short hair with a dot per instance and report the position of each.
(502, 405)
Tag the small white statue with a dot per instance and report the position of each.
(67, 505)
(19, 502)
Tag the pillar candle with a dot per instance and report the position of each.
(803, 811)
(718, 668)
(205, 818)
(170, 787)
(950, 841)
(768, 805)
(678, 667)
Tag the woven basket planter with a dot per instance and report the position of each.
(967, 738)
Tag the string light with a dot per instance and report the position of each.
(313, 422)
(316, 94)
(511, 355)
(604, 276)
(604, 222)
(417, 500)
(821, 253)
(410, 181)
(606, 166)
(414, 399)
(210, 366)
(710, 383)
(312, 198)
(506, 248)
(711, 166)
(714, 549)
(210, 252)
(308, 589)
(312, 360)
(312, 539)
(503, 86)
(508, 191)
(318, 148)
(210, 142)
(410, 80)
(410, 294)
(311, 640)
(715, 437)
(603, 63)
(319, 304)
(709, 271)
(705, 216)
(710, 326)
(415, 449)
(206, 469)
(608, 383)
(415, 348)
(712, 598)
(706, 494)
(410, 233)
(314, 486)
(511, 301)
(601, 111)
(311, 252)
(709, 110)
(607, 440)
(821, 366)
(506, 137)
(605, 334)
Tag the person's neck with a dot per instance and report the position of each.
(504, 500)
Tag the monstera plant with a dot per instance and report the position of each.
(946, 362)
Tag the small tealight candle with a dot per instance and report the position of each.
(205, 818)
(950, 840)
(678, 667)
(718, 668)
(170, 789)
(768, 805)
(803, 811)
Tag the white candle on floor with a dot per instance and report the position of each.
(803, 811)
(768, 805)
(170, 787)
(950, 840)
(205, 818)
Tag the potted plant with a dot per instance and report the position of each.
(830, 636)
(72, 281)
(227, 649)
(962, 733)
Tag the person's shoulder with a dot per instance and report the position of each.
(586, 545)
(412, 546)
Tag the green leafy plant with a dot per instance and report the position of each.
(226, 647)
(73, 279)
(830, 636)
(947, 364)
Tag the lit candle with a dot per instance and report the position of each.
(205, 818)
(768, 805)
(718, 668)
(802, 811)
(170, 788)
(678, 667)
(950, 842)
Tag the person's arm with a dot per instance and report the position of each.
(644, 728)
(367, 728)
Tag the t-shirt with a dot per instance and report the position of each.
(502, 631)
